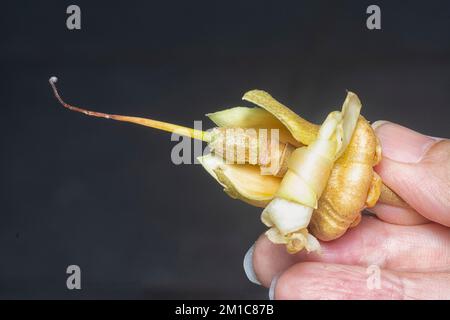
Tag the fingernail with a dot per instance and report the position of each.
(378, 124)
(400, 143)
(248, 266)
(273, 285)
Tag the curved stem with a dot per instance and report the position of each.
(160, 125)
(387, 196)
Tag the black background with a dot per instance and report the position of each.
(105, 195)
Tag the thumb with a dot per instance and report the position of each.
(416, 167)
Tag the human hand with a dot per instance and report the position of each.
(410, 246)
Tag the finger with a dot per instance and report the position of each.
(397, 215)
(417, 168)
(401, 248)
(312, 280)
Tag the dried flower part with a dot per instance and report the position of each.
(253, 146)
(301, 129)
(308, 171)
(244, 117)
(278, 167)
(256, 118)
(389, 197)
(295, 241)
(239, 145)
(367, 193)
(304, 156)
(349, 186)
(243, 182)
(271, 160)
(286, 216)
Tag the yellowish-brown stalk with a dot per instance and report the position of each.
(160, 125)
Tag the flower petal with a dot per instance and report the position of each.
(301, 129)
(242, 181)
(257, 118)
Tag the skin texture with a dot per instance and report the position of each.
(411, 246)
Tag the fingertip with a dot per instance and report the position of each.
(269, 259)
(424, 186)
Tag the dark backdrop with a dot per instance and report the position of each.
(105, 195)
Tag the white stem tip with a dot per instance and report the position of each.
(53, 79)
